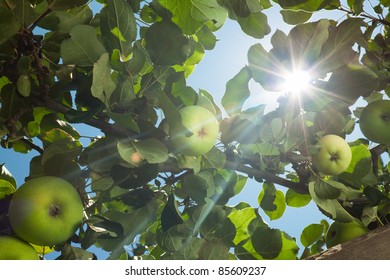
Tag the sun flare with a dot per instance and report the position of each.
(296, 81)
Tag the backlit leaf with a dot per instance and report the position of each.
(311, 234)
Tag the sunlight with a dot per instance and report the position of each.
(297, 81)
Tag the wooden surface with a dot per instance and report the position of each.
(375, 245)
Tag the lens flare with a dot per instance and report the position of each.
(296, 81)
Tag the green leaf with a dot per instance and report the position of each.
(241, 219)
(125, 120)
(190, 15)
(356, 6)
(206, 37)
(352, 81)
(170, 215)
(325, 190)
(294, 199)
(123, 94)
(118, 26)
(267, 242)
(133, 223)
(132, 178)
(23, 85)
(195, 187)
(102, 84)
(64, 148)
(310, 5)
(295, 17)
(272, 201)
(151, 150)
(83, 48)
(65, 20)
(341, 38)
(7, 182)
(237, 92)
(176, 238)
(10, 25)
(331, 207)
(167, 44)
(59, 5)
(214, 250)
(311, 234)
(273, 132)
(255, 25)
(261, 64)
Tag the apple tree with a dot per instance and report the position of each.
(123, 70)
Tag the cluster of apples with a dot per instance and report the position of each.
(334, 156)
(43, 211)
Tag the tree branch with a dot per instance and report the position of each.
(32, 145)
(105, 127)
(298, 187)
(38, 19)
(375, 154)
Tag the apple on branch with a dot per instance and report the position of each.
(45, 211)
(333, 156)
(339, 232)
(13, 248)
(201, 132)
(375, 121)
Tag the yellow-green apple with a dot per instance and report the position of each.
(333, 156)
(201, 131)
(339, 232)
(13, 248)
(45, 211)
(375, 121)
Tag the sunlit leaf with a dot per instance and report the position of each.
(190, 15)
(311, 234)
(294, 199)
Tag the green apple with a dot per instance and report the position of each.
(334, 155)
(201, 131)
(339, 232)
(13, 248)
(375, 121)
(45, 211)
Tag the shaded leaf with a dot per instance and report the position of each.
(237, 91)
(118, 26)
(295, 17)
(102, 84)
(59, 5)
(166, 44)
(255, 25)
(83, 48)
(170, 215)
(267, 242)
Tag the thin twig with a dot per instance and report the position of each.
(298, 187)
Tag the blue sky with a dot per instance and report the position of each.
(217, 67)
